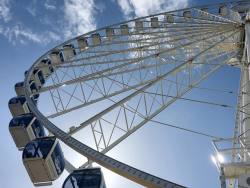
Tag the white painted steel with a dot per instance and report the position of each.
(181, 46)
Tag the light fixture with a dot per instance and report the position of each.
(220, 158)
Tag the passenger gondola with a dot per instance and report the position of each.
(37, 76)
(43, 160)
(82, 43)
(110, 32)
(20, 90)
(223, 11)
(54, 57)
(18, 106)
(85, 178)
(67, 53)
(96, 39)
(46, 67)
(25, 128)
(124, 29)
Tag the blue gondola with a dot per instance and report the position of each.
(46, 67)
(43, 160)
(18, 106)
(85, 178)
(25, 128)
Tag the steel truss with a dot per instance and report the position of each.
(138, 74)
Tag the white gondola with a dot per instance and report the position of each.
(204, 10)
(96, 39)
(169, 18)
(67, 53)
(82, 43)
(85, 178)
(203, 13)
(43, 160)
(187, 14)
(110, 32)
(223, 11)
(20, 90)
(46, 67)
(18, 106)
(54, 57)
(124, 29)
(25, 128)
(154, 22)
(138, 25)
(37, 76)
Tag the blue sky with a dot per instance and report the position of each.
(30, 28)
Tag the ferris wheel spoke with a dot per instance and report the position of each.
(122, 65)
(148, 39)
(122, 87)
(232, 44)
(109, 44)
(175, 40)
(131, 96)
(187, 85)
(147, 118)
(125, 74)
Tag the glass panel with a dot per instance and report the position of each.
(23, 121)
(58, 159)
(31, 150)
(61, 56)
(84, 179)
(33, 87)
(19, 84)
(38, 129)
(38, 148)
(40, 76)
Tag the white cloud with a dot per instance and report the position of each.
(49, 5)
(31, 10)
(139, 8)
(19, 34)
(79, 17)
(5, 10)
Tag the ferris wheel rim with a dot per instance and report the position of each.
(68, 140)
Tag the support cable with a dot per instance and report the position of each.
(187, 130)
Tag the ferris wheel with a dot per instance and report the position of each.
(117, 79)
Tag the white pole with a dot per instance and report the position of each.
(245, 123)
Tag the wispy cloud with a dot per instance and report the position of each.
(5, 14)
(137, 8)
(22, 35)
(79, 17)
(18, 33)
(49, 5)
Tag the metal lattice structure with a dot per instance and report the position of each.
(133, 71)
